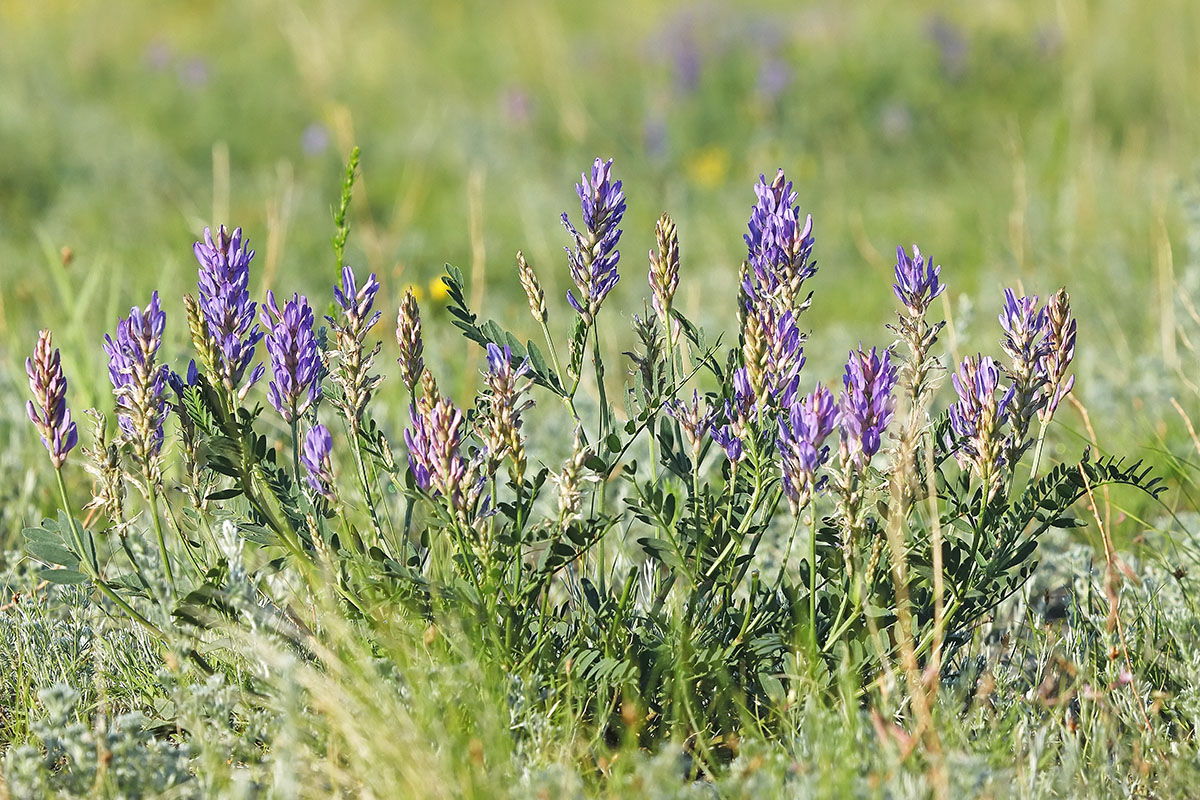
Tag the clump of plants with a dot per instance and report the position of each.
(627, 585)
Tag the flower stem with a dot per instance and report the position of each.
(152, 496)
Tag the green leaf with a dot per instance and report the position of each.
(64, 576)
(52, 553)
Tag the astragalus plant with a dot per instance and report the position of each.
(627, 587)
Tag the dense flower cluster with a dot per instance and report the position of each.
(917, 281)
(779, 246)
(408, 337)
(354, 361)
(226, 307)
(435, 444)
(801, 443)
(506, 402)
(315, 457)
(593, 262)
(979, 416)
(295, 358)
(138, 380)
(866, 404)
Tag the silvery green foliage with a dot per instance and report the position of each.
(68, 758)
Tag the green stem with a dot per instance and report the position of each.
(364, 480)
(152, 496)
(94, 569)
(1037, 452)
(812, 586)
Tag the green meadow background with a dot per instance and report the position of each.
(1024, 144)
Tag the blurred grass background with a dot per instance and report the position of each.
(1018, 142)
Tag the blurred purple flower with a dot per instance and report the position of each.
(295, 358)
(48, 410)
(227, 308)
(593, 262)
(194, 72)
(314, 140)
(774, 77)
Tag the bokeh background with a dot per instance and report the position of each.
(1019, 142)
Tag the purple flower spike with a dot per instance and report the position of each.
(352, 360)
(357, 302)
(48, 410)
(315, 457)
(593, 262)
(980, 414)
(1024, 325)
(138, 381)
(917, 281)
(507, 387)
(295, 360)
(778, 245)
(866, 404)
(801, 443)
(733, 435)
(435, 455)
(227, 308)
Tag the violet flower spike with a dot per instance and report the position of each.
(353, 360)
(139, 382)
(917, 281)
(801, 444)
(778, 245)
(734, 434)
(593, 261)
(867, 404)
(1023, 323)
(315, 458)
(295, 358)
(507, 387)
(225, 304)
(435, 455)
(979, 415)
(357, 302)
(48, 410)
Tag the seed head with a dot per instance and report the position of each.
(408, 337)
(1059, 352)
(533, 289)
